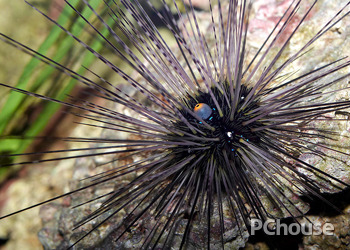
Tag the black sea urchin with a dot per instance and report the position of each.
(208, 142)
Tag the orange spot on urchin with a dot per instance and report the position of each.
(198, 107)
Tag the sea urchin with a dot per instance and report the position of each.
(210, 141)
